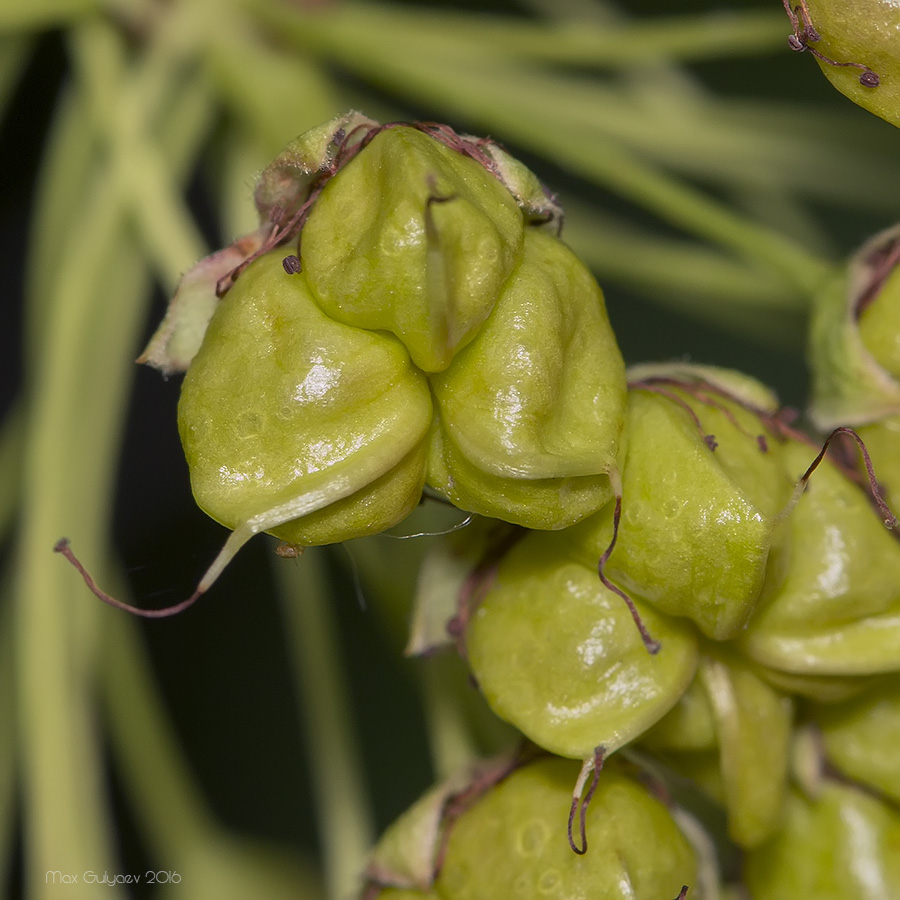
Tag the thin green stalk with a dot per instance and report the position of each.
(66, 482)
(14, 51)
(388, 572)
(641, 259)
(275, 95)
(689, 278)
(342, 806)
(692, 132)
(175, 821)
(626, 43)
(450, 737)
(90, 300)
(7, 733)
(31, 15)
(171, 810)
(67, 167)
(166, 227)
(72, 432)
(12, 437)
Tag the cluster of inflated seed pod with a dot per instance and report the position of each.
(771, 616)
(431, 328)
(656, 570)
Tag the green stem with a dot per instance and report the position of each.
(620, 44)
(42, 14)
(342, 806)
(69, 455)
(450, 737)
(12, 437)
(88, 299)
(7, 734)
(508, 109)
(173, 813)
(166, 227)
(176, 823)
(640, 259)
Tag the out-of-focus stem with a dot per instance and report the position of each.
(345, 823)
(7, 735)
(508, 109)
(625, 43)
(12, 437)
(141, 175)
(450, 737)
(84, 314)
(173, 813)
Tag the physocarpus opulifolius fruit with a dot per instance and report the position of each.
(703, 488)
(405, 315)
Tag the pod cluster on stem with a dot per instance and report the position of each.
(666, 581)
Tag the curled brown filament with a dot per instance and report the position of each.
(650, 643)
(62, 546)
(592, 766)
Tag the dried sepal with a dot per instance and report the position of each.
(180, 334)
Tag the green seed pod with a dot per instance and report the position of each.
(702, 489)
(861, 738)
(842, 845)
(413, 238)
(428, 268)
(879, 332)
(558, 655)
(832, 606)
(281, 192)
(298, 425)
(853, 349)
(510, 842)
(855, 43)
(531, 411)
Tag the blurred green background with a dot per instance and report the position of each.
(257, 743)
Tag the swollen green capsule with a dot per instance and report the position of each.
(431, 329)
(530, 413)
(853, 345)
(511, 841)
(842, 844)
(558, 655)
(861, 738)
(831, 606)
(702, 489)
(298, 425)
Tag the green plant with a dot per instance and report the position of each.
(689, 181)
